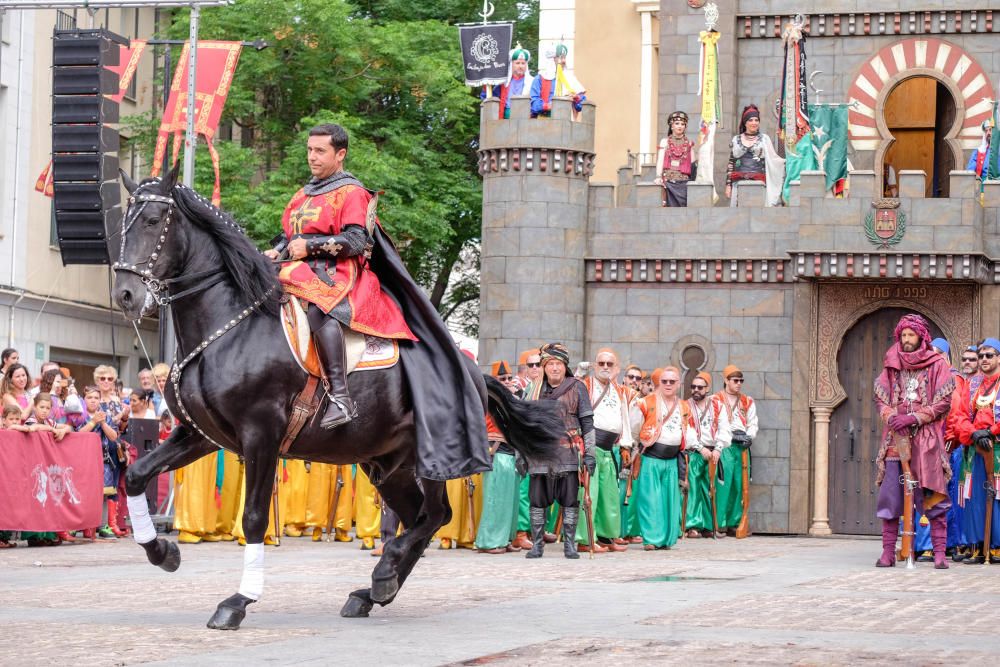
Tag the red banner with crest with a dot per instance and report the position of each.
(50, 486)
(216, 66)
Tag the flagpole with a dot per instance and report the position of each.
(190, 138)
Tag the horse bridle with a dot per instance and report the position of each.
(155, 285)
(159, 288)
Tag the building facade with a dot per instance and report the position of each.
(50, 311)
(803, 297)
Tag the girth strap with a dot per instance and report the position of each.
(306, 405)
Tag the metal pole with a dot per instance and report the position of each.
(190, 138)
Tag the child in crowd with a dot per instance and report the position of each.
(11, 422)
(41, 419)
(102, 423)
(12, 419)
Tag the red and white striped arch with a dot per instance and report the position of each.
(948, 60)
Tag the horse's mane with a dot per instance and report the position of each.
(252, 273)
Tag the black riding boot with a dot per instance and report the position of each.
(571, 515)
(332, 355)
(537, 515)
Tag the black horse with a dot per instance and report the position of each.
(234, 382)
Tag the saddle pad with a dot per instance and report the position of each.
(364, 352)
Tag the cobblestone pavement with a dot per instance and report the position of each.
(764, 600)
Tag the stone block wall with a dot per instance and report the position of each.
(535, 203)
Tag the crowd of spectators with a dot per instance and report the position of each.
(55, 404)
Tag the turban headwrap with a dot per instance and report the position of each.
(555, 351)
(706, 377)
(656, 375)
(520, 52)
(730, 371)
(915, 323)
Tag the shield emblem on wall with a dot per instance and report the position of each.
(885, 223)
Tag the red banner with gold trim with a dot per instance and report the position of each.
(216, 66)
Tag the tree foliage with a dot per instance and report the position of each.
(389, 71)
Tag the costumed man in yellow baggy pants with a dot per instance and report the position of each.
(229, 501)
(293, 489)
(461, 530)
(367, 510)
(195, 499)
(322, 487)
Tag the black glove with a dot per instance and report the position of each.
(590, 463)
(982, 439)
(747, 441)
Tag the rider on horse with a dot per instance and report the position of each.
(327, 233)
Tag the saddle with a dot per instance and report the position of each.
(362, 352)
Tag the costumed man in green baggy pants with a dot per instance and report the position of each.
(734, 419)
(698, 521)
(629, 502)
(611, 403)
(498, 523)
(662, 422)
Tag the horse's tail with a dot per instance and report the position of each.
(533, 428)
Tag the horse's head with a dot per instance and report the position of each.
(151, 245)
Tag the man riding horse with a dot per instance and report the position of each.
(326, 231)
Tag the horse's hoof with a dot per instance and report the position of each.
(358, 604)
(384, 590)
(163, 554)
(230, 613)
(172, 559)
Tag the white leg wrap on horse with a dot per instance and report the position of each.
(142, 525)
(252, 583)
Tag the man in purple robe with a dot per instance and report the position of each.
(913, 396)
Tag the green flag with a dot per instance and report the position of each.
(795, 163)
(992, 163)
(829, 127)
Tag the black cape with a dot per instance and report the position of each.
(448, 390)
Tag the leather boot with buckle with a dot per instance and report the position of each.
(332, 355)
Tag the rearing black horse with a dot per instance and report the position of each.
(234, 381)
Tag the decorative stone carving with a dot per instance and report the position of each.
(838, 306)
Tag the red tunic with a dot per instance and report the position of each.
(352, 287)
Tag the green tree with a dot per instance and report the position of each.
(389, 71)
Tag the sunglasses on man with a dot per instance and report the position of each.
(668, 382)
(968, 360)
(534, 364)
(634, 377)
(605, 364)
(986, 355)
(699, 386)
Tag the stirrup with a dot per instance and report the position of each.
(347, 413)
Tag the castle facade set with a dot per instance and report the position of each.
(803, 297)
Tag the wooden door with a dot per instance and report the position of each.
(855, 430)
(914, 113)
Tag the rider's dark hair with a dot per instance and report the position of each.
(337, 134)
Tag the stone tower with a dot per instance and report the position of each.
(535, 206)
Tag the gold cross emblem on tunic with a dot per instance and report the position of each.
(304, 215)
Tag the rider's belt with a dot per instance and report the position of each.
(658, 450)
(605, 439)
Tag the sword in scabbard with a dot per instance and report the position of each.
(713, 468)
(470, 491)
(274, 508)
(991, 494)
(338, 485)
(587, 505)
